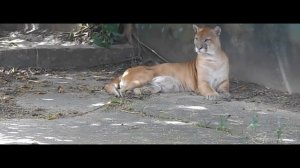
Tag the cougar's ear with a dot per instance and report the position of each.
(196, 28)
(217, 30)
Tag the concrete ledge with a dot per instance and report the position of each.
(65, 57)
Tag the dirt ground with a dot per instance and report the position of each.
(16, 82)
(27, 99)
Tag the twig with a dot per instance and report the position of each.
(238, 87)
(92, 110)
(131, 112)
(153, 51)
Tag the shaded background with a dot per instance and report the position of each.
(266, 54)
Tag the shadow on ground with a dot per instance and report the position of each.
(47, 106)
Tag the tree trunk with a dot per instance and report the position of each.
(127, 30)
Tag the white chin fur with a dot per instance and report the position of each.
(202, 50)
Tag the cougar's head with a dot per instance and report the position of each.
(207, 39)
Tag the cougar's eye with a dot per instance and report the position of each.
(196, 38)
(206, 40)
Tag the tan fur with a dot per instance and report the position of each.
(207, 74)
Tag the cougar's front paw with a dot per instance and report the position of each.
(212, 96)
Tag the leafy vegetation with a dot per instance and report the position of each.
(103, 35)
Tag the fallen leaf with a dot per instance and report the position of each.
(60, 89)
(55, 116)
(41, 92)
(26, 86)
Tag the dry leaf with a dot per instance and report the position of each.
(55, 116)
(41, 92)
(60, 89)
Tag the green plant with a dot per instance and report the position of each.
(223, 124)
(99, 34)
(254, 123)
(128, 107)
(119, 103)
(279, 131)
(203, 124)
(105, 34)
(116, 102)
